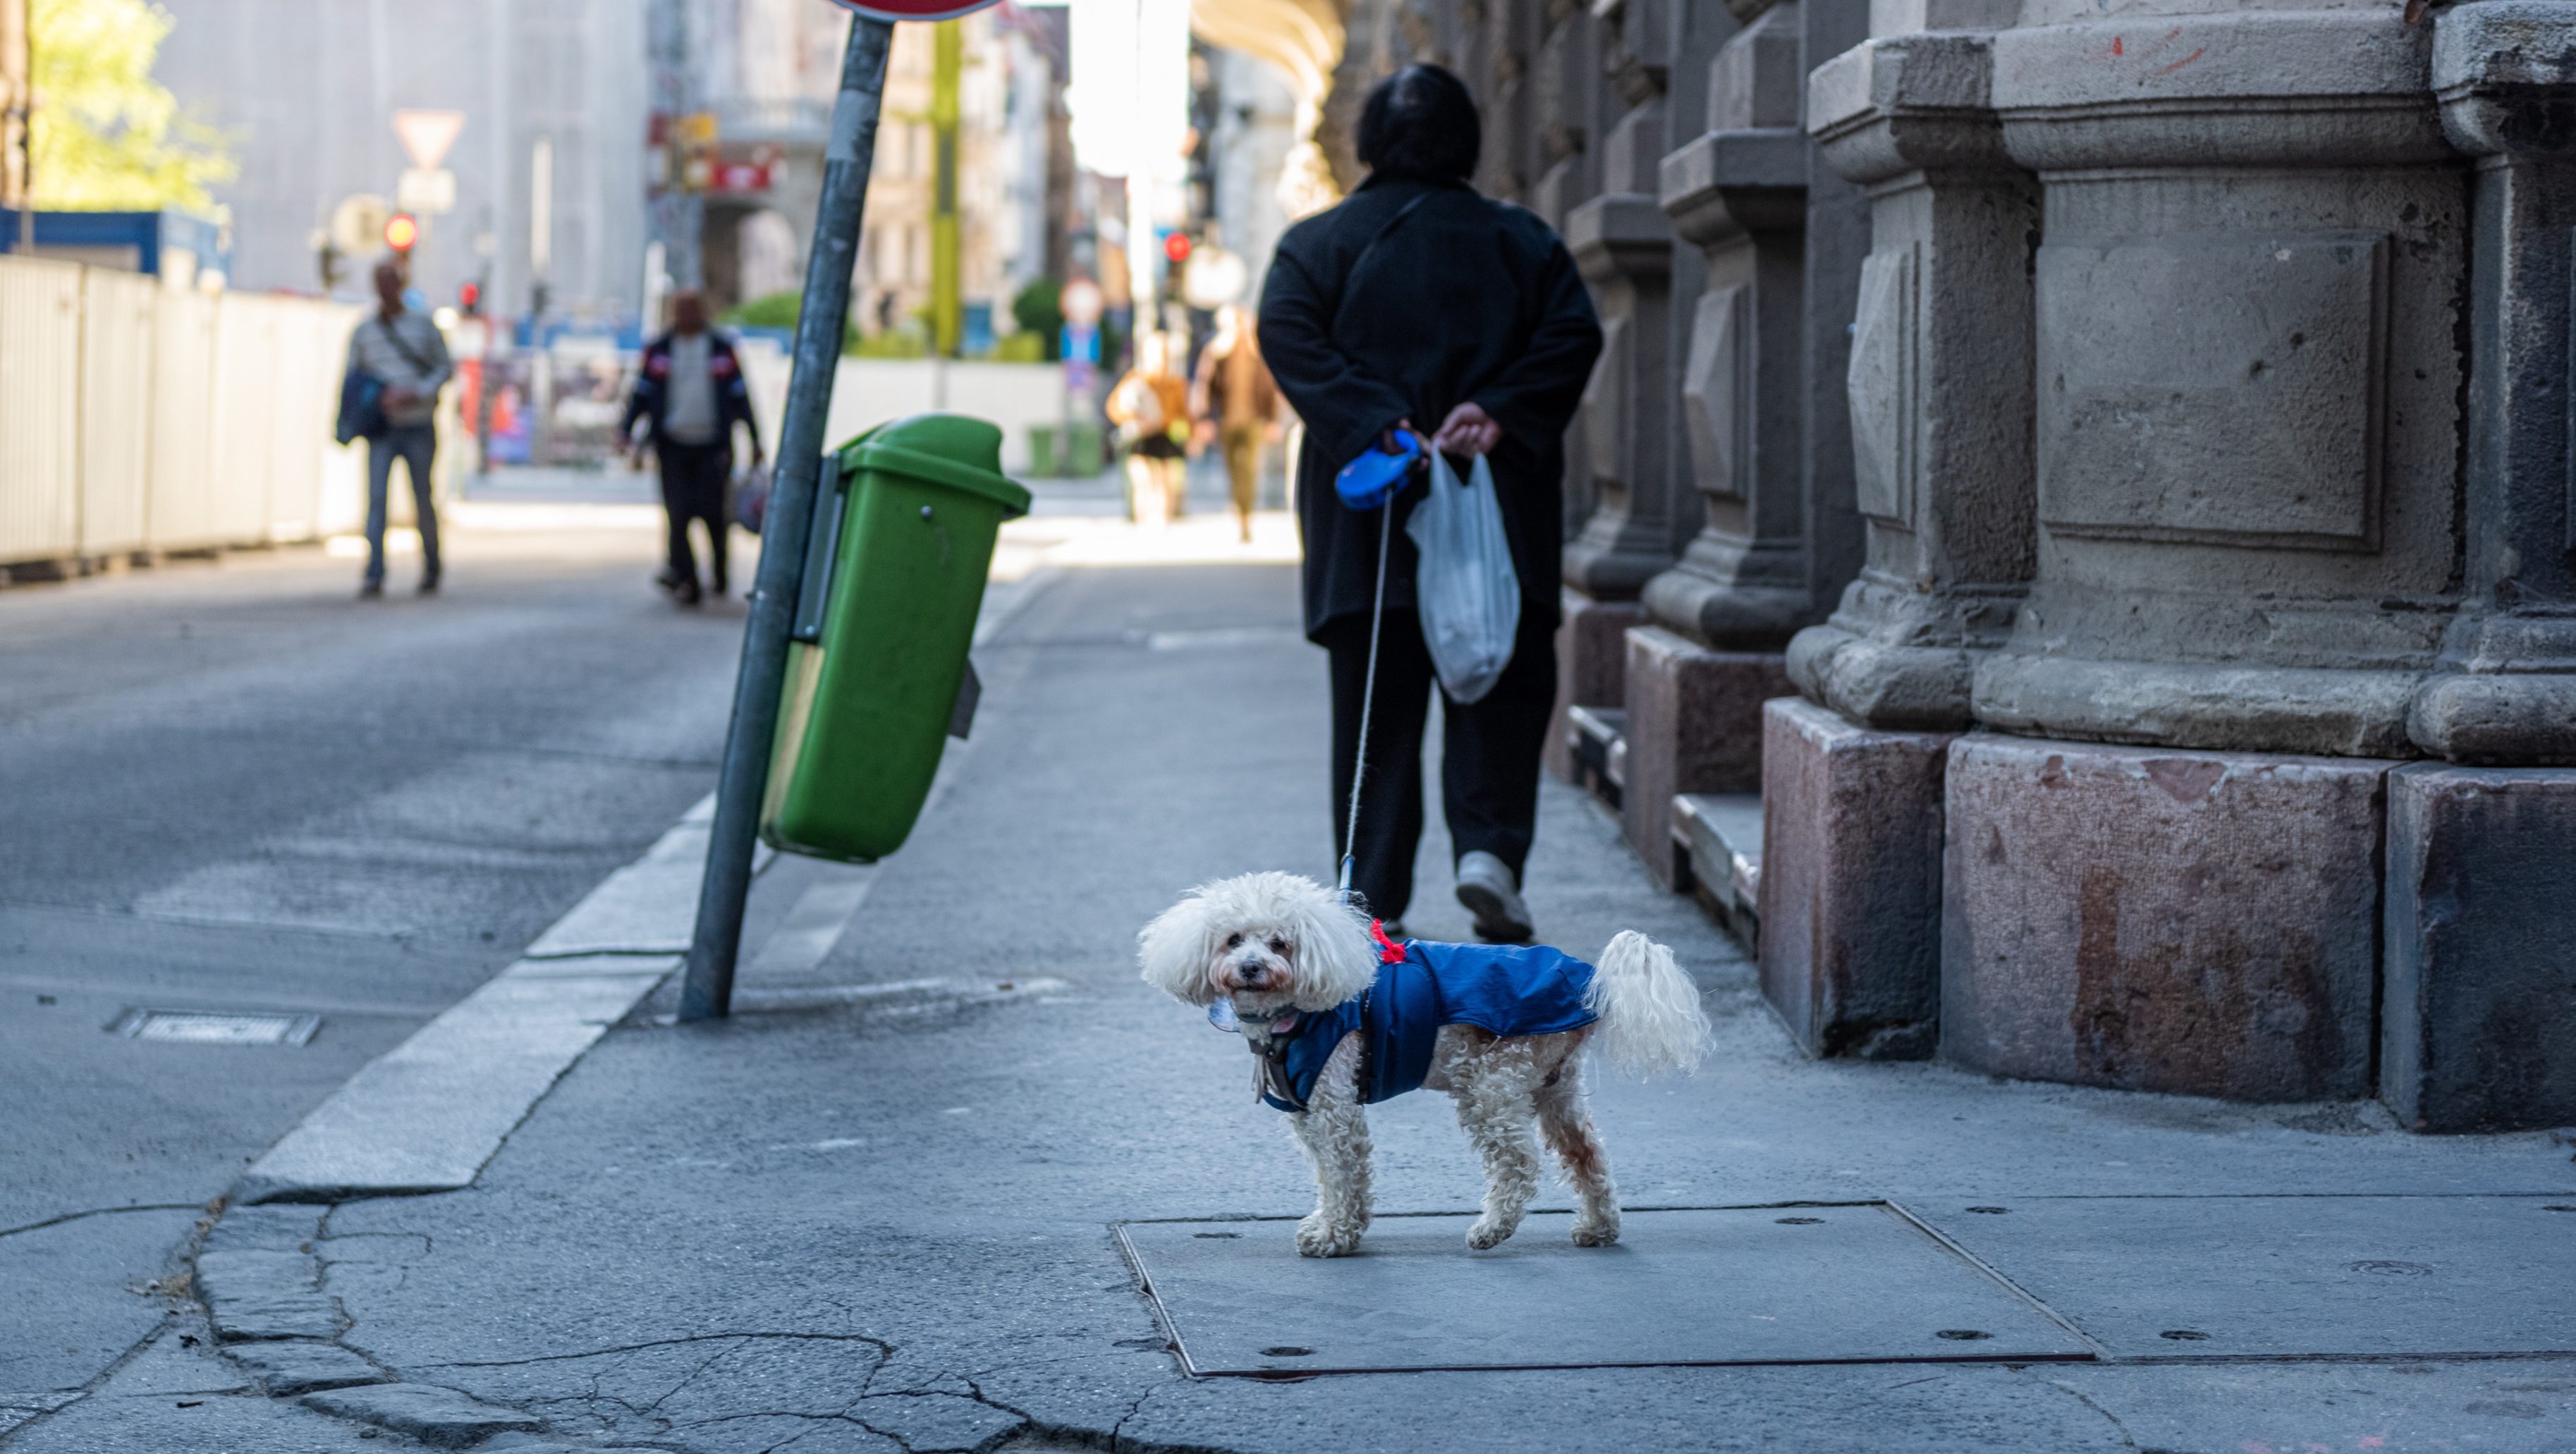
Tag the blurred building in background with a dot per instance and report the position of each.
(544, 184)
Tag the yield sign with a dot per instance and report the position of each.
(914, 9)
(426, 135)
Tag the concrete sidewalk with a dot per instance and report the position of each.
(879, 1210)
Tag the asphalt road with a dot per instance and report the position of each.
(232, 786)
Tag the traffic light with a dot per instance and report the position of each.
(401, 231)
(469, 296)
(1176, 246)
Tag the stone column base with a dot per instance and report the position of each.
(2198, 922)
(1851, 882)
(1694, 725)
(1591, 668)
(2478, 1000)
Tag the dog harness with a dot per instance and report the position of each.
(1508, 989)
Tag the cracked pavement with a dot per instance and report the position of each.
(832, 1226)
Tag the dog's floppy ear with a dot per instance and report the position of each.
(1335, 959)
(1174, 951)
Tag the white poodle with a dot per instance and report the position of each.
(1337, 1016)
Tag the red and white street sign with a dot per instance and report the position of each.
(915, 9)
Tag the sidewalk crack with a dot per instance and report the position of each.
(1133, 1409)
(2080, 1396)
(102, 1212)
(884, 1349)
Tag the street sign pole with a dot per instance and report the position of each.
(708, 990)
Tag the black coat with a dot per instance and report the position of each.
(1463, 299)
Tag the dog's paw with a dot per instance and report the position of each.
(1488, 1233)
(1317, 1237)
(1596, 1234)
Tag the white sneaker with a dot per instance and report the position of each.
(1486, 887)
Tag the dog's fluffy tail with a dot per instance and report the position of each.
(1650, 1015)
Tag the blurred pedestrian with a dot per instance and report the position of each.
(404, 354)
(690, 394)
(1151, 407)
(1418, 299)
(1237, 404)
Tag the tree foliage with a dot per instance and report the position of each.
(106, 136)
(780, 310)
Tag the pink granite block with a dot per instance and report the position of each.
(2478, 994)
(1694, 726)
(2201, 922)
(1851, 882)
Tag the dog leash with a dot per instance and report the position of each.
(1368, 700)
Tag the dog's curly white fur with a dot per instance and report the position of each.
(1278, 943)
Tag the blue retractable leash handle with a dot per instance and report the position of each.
(1372, 479)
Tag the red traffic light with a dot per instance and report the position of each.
(1176, 246)
(467, 295)
(401, 231)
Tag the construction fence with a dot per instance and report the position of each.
(136, 419)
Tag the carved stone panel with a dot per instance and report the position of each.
(1882, 382)
(2214, 387)
(1715, 381)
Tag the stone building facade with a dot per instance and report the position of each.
(2101, 471)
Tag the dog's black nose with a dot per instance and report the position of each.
(1250, 973)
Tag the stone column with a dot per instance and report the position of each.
(1628, 269)
(1708, 656)
(1507, 32)
(1565, 90)
(2247, 444)
(2478, 1017)
(1939, 383)
(1938, 390)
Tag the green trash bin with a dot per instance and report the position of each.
(1084, 451)
(904, 523)
(1042, 451)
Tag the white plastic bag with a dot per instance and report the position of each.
(1464, 588)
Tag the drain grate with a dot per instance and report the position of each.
(211, 1027)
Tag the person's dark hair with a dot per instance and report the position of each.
(1421, 122)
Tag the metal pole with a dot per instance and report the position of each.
(708, 991)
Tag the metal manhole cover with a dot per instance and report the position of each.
(1851, 1283)
(206, 1027)
(2288, 1276)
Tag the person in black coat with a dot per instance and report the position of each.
(689, 394)
(1418, 301)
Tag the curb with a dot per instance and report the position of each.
(428, 1114)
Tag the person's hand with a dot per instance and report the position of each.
(401, 398)
(1388, 441)
(635, 457)
(1468, 430)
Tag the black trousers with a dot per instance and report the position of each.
(1489, 754)
(694, 477)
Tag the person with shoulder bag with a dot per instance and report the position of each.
(397, 364)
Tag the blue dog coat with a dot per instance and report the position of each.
(1508, 989)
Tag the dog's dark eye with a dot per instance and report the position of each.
(1279, 947)
(1233, 940)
